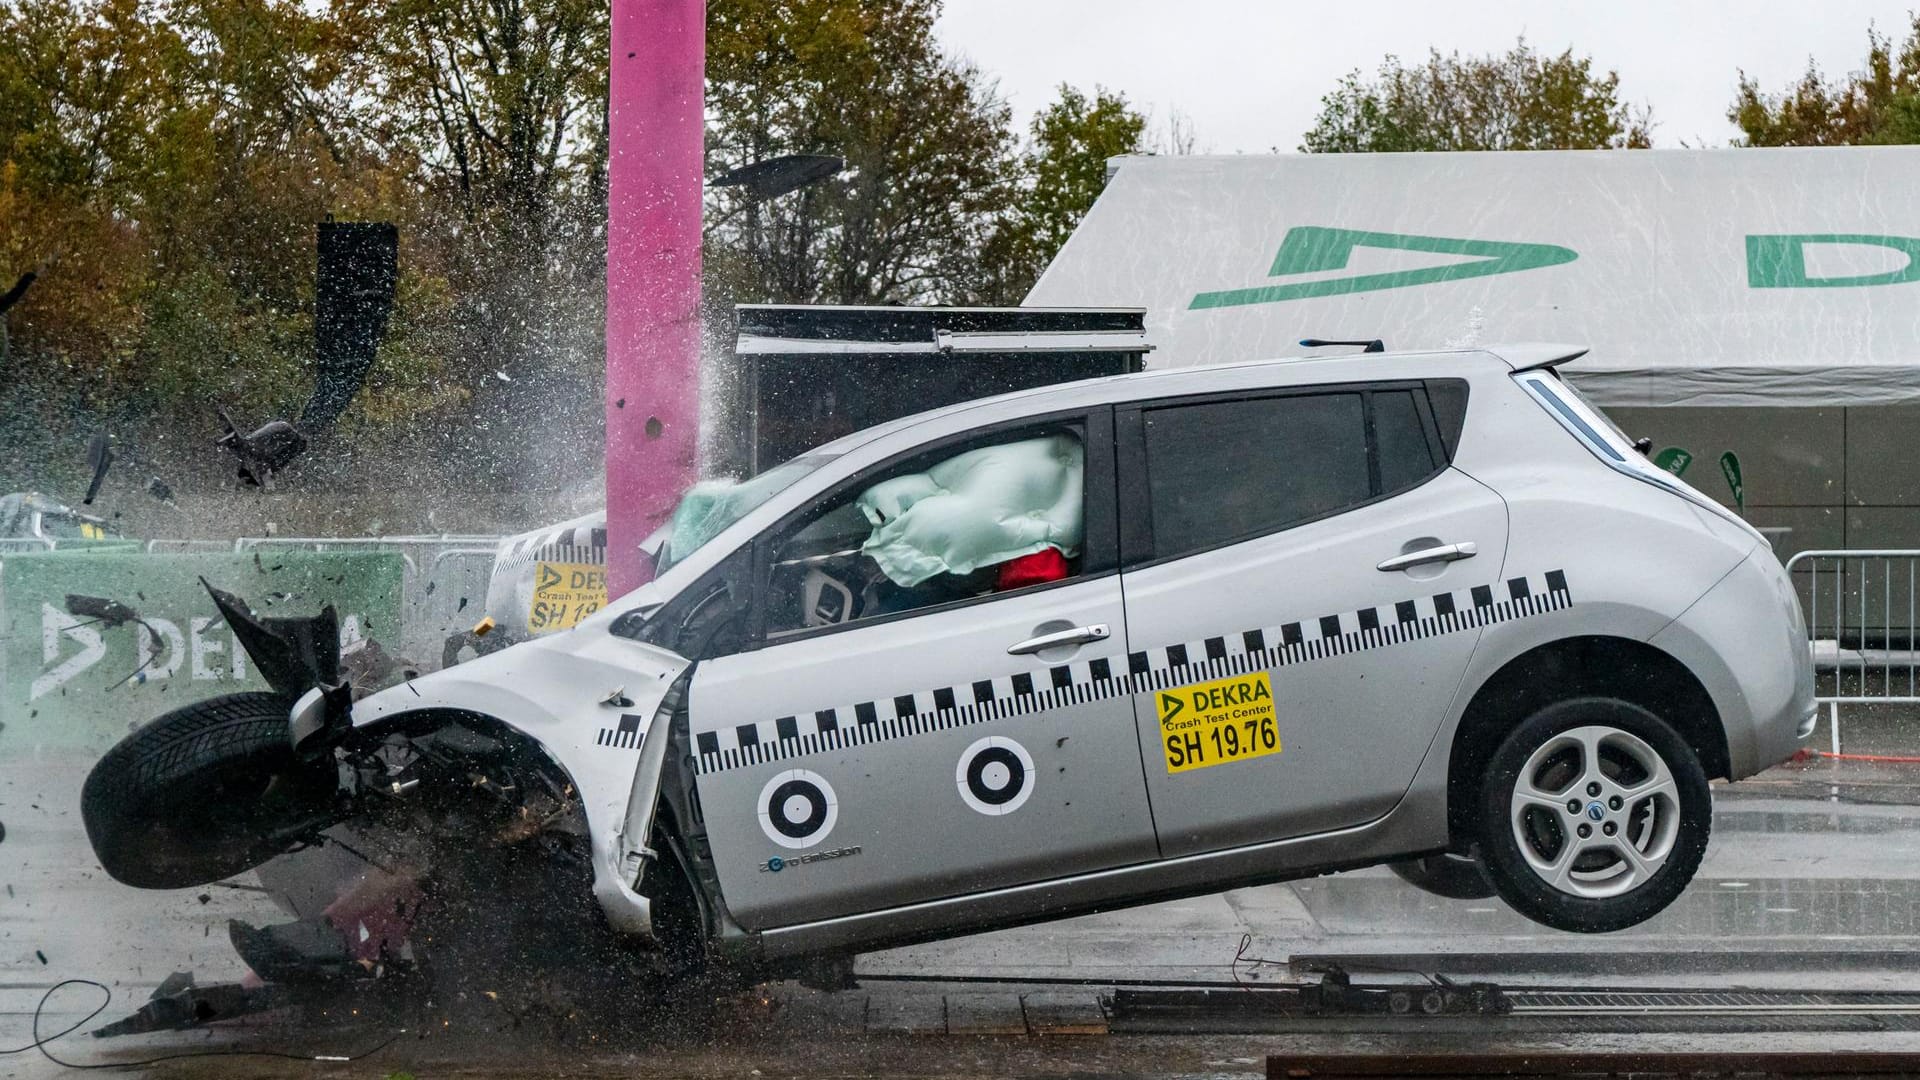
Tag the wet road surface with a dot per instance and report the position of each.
(1811, 882)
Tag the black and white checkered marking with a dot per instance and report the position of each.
(1145, 671)
(579, 544)
(627, 736)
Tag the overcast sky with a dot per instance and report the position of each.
(1250, 73)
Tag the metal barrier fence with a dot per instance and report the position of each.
(1863, 625)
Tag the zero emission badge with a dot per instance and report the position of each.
(1212, 723)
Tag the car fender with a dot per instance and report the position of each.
(591, 701)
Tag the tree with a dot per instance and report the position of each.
(1517, 101)
(927, 141)
(1063, 170)
(1879, 104)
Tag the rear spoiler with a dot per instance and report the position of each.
(1538, 356)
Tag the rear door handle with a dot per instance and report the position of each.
(1078, 635)
(1466, 549)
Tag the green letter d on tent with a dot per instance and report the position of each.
(1309, 249)
(1779, 261)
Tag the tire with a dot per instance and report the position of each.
(1456, 877)
(1529, 840)
(205, 792)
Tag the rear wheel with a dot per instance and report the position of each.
(205, 792)
(1593, 816)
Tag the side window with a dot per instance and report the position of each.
(1406, 457)
(1224, 470)
(1449, 399)
(1003, 513)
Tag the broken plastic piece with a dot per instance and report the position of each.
(270, 448)
(110, 613)
(100, 457)
(293, 655)
(980, 508)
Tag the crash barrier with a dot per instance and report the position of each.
(1863, 626)
(95, 642)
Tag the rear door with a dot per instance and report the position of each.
(873, 747)
(1305, 582)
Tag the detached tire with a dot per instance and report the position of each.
(205, 792)
(1593, 815)
(1456, 877)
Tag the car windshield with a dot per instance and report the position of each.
(710, 506)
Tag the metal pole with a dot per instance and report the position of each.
(656, 128)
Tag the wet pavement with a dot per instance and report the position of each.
(1811, 882)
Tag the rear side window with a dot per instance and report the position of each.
(1224, 470)
(1406, 455)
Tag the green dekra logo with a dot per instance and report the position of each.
(1312, 249)
(1779, 260)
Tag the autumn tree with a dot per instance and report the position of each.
(1878, 104)
(1521, 100)
(1061, 172)
(927, 142)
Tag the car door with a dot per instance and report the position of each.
(937, 748)
(1302, 609)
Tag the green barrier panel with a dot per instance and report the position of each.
(73, 683)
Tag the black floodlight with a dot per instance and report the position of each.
(775, 177)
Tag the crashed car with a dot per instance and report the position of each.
(1069, 649)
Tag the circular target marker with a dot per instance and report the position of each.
(798, 809)
(995, 776)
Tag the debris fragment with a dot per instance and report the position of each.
(109, 613)
(483, 627)
(42, 956)
(158, 488)
(270, 448)
(100, 457)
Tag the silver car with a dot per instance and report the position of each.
(1088, 646)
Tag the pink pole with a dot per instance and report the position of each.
(656, 132)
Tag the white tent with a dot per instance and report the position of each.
(1698, 277)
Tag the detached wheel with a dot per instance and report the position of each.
(1593, 816)
(205, 792)
(1456, 877)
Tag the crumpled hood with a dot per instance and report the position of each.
(589, 698)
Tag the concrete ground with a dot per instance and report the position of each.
(1810, 882)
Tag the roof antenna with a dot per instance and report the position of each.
(1376, 345)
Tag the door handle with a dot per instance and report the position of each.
(1466, 549)
(1078, 635)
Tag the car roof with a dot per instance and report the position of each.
(1200, 379)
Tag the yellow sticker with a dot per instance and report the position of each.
(1212, 723)
(564, 593)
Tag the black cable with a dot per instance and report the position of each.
(41, 1044)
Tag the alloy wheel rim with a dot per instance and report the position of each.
(1595, 812)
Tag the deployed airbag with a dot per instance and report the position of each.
(979, 508)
